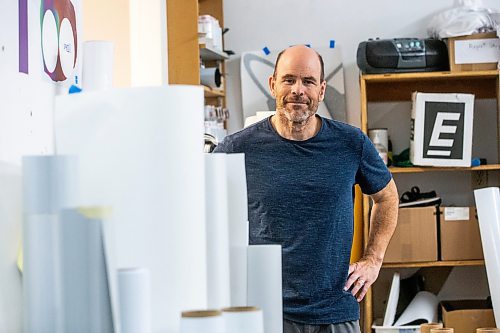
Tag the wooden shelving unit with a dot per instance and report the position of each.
(184, 51)
(399, 87)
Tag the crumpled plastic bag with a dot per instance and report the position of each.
(467, 18)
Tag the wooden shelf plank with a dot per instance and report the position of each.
(209, 92)
(449, 263)
(398, 77)
(436, 169)
(208, 53)
(400, 86)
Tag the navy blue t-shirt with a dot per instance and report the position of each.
(300, 195)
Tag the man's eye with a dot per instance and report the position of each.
(289, 80)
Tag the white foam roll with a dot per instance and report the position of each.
(206, 321)
(217, 231)
(265, 284)
(151, 170)
(247, 319)
(488, 213)
(49, 183)
(97, 71)
(135, 300)
(238, 274)
(238, 201)
(86, 300)
(42, 306)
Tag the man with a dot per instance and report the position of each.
(301, 170)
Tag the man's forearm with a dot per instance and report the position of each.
(383, 221)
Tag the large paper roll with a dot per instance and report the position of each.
(217, 232)
(135, 300)
(86, 301)
(97, 71)
(42, 306)
(488, 213)
(141, 152)
(49, 183)
(488, 330)
(247, 319)
(264, 284)
(10, 240)
(202, 321)
(238, 227)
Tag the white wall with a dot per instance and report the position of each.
(280, 23)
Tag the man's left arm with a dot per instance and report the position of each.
(383, 220)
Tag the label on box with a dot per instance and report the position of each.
(477, 51)
(456, 213)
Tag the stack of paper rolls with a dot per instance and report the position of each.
(50, 183)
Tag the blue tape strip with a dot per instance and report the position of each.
(308, 45)
(74, 89)
(332, 44)
(266, 50)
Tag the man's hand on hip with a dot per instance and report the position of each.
(362, 275)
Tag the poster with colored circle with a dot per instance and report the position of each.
(59, 38)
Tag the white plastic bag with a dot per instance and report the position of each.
(467, 18)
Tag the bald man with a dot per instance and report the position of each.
(301, 171)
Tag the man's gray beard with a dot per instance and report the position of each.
(305, 115)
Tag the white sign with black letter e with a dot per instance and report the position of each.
(441, 133)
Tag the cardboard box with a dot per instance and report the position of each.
(474, 52)
(465, 316)
(459, 234)
(441, 129)
(415, 237)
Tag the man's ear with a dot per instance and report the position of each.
(272, 86)
(322, 91)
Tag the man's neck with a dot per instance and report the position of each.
(296, 131)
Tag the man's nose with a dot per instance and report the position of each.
(298, 88)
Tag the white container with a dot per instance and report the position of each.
(396, 329)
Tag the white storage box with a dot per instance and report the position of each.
(441, 129)
(396, 329)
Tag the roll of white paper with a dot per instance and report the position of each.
(10, 239)
(247, 319)
(49, 183)
(141, 152)
(202, 321)
(135, 300)
(42, 306)
(264, 284)
(238, 273)
(238, 202)
(423, 306)
(217, 231)
(86, 301)
(97, 70)
(488, 213)
(210, 77)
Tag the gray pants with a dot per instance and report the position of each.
(347, 327)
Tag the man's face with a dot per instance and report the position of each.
(297, 86)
